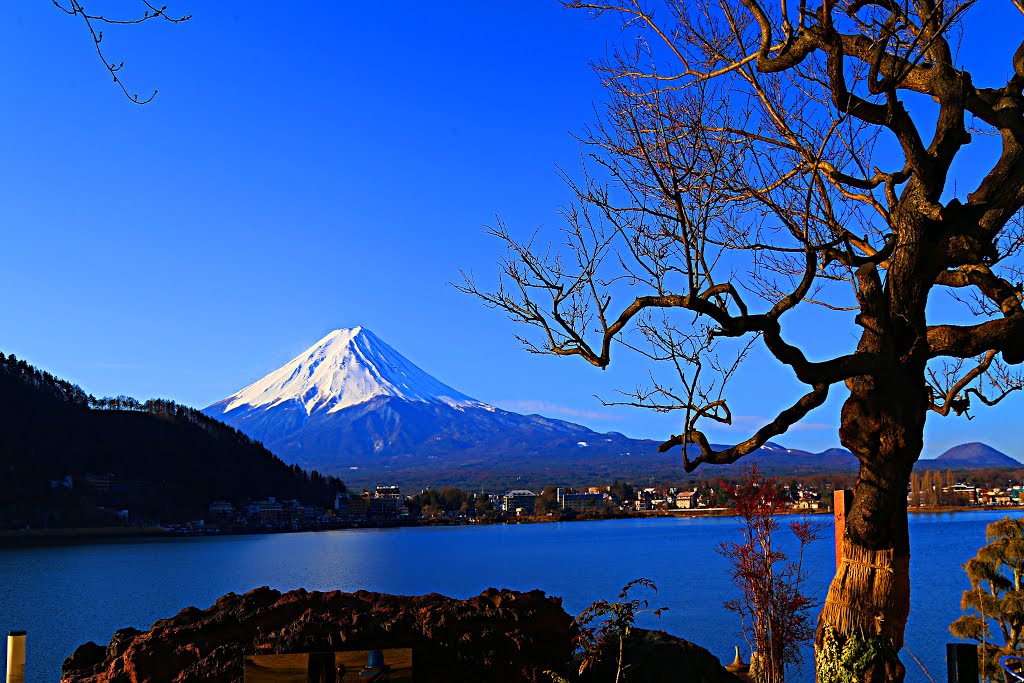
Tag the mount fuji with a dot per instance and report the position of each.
(344, 369)
(351, 405)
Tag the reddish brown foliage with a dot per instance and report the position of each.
(774, 609)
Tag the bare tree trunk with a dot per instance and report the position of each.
(869, 599)
(618, 669)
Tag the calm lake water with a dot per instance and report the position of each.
(66, 596)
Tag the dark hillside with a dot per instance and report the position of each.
(975, 455)
(159, 460)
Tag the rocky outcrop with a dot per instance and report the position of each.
(658, 656)
(498, 636)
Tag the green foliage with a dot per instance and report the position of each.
(995, 597)
(846, 662)
(437, 503)
(622, 491)
(547, 501)
(614, 620)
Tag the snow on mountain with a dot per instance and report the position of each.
(352, 401)
(346, 368)
(352, 404)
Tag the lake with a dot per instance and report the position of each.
(65, 596)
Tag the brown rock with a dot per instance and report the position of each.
(497, 636)
(85, 658)
(120, 641)
(658, 656)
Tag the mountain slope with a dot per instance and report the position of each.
(353, 406)
(159, 460)
(352, 402)
(976, 455)
(344, 369)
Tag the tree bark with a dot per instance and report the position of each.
(869, 598)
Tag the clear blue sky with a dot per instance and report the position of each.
(303, 170)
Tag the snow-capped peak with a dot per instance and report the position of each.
(345, 368)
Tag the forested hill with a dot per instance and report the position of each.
(159, 460)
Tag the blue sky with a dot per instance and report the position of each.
(301, 171)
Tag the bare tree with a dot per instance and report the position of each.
(752, 159)
(93, 21)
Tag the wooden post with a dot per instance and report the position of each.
(961, 663)
(15, 657)
(843, 499)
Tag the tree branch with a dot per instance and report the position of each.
(76, 8)
(779, 425)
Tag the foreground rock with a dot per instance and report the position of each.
(658, 656)
(497, 636)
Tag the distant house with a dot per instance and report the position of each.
(383, 505)
(359, 507)
(645, 499)
(968, 495)
(518, 499)
(382, 510)
(388, 501)
(579, 502)
(687, 500)
(807, 500)
(221, 508)
(391, 492)
(268, 511)
(341, 504)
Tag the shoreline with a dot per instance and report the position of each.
(41, 538)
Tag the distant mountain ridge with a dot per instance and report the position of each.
(975, 454)
(353, 406)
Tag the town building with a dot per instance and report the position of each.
(341, 504)
(386, 504)
(519, 501)
(221, 508)
(268, 512)
(359, 508)
(687, 500)
(579, 502)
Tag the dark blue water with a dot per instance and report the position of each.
(66, 596)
